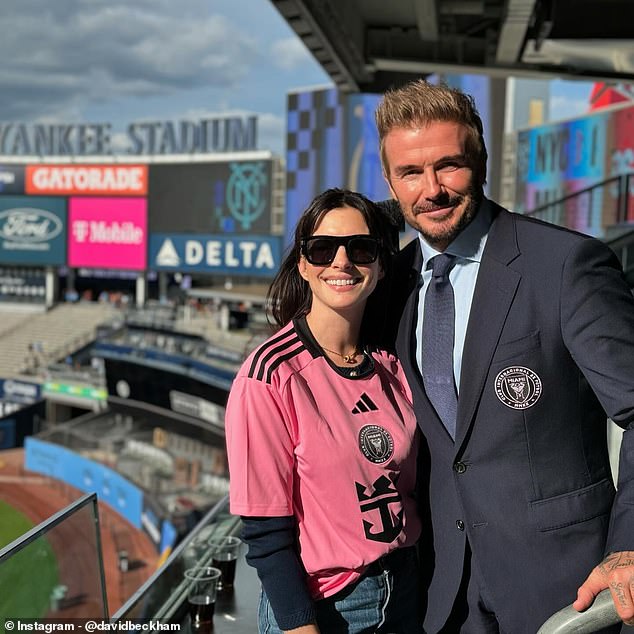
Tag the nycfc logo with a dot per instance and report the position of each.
(376, 443)
(518, 387)
(247, 192)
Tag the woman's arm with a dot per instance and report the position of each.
(273, 553)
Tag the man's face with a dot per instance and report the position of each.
(429, 173)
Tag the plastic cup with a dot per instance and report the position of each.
(224, 553)
(201, 597)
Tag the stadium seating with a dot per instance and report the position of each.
(30, 341)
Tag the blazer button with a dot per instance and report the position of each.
(460, 467)
(460, 525)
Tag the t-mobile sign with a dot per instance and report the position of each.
(109, 233)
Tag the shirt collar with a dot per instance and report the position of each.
(469, 243)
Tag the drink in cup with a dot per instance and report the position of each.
(224, 557)
(201, 609)
(202, 590)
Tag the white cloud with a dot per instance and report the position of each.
(289, 53)
(271, 132)
(122, 61)
(563, 107)
(68, 52)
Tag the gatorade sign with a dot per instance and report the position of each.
(87, 180)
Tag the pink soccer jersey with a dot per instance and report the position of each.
(337, 452)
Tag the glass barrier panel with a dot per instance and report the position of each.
(55, 570)
(162, 596)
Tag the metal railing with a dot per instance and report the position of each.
(604, 210)
(599, 615)
(594, 209)
(162, 596)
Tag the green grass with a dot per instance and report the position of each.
(28, 577)
(12, 524)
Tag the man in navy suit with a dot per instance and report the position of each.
(516, 486)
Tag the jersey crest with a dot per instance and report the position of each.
(376, 443)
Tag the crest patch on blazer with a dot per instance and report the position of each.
(376, 443)
(518, 387)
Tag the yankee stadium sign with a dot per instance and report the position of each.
(215, 134)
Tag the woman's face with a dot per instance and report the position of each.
(341, 286)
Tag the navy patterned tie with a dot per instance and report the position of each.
(438, 341)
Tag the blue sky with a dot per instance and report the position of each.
(568, 98)
(118, 61)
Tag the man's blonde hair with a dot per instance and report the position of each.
(419, 103)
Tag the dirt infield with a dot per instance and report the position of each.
(38, 498)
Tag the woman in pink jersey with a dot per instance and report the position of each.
(322, 440)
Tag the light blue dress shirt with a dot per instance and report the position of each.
(468, 248)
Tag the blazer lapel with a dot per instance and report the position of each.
(405, 344)
(494, 292)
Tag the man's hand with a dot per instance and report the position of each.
(616, 572)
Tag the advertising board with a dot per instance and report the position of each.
(220, 197)
(19, 391)
(109, 233)
(32, 230)
(23, 284)
(257, 256)
(86, 475)
(7, 433)
(11, 179)
(87, 180)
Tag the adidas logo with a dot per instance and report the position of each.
(364, 404)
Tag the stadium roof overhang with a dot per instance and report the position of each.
(369, 45)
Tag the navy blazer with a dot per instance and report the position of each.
(548, 355)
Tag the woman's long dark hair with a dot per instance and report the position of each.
(289, 295)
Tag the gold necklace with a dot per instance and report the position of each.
(347, 358)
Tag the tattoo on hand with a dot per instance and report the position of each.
(620, 593)
(615, 561)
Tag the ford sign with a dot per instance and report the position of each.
(28, 224)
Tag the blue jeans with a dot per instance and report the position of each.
(385, 600)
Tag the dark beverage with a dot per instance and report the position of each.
(201, 612)
(226, 563)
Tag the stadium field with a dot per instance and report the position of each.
(28, 577)
(37, 499)
(13, 524)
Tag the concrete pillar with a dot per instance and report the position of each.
(495, 136)
(141, 290)
(162, 286)
(51, 282)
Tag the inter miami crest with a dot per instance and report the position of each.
(376, 443)
(518, 387)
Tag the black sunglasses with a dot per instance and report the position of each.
(321, 250)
